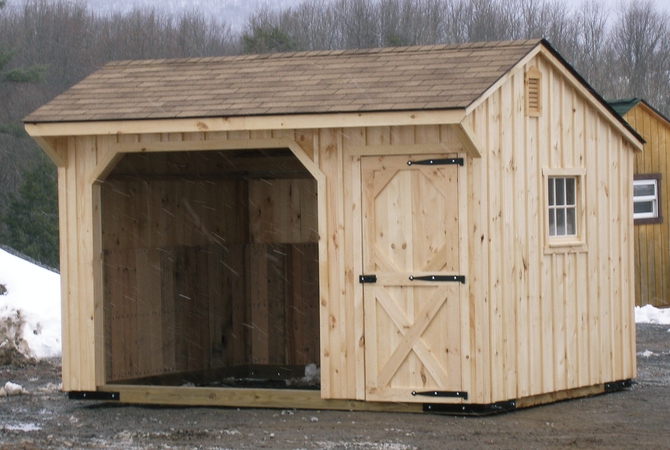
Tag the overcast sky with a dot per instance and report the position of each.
(245, 5)
(236, 11)
(613, 5)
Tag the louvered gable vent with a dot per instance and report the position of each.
(533, 92)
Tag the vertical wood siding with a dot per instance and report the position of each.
(533, 321)
(652, 241)
(561, 319)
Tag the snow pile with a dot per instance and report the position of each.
(649, 314)
(12, 389)
(312, 374)
(29, 308)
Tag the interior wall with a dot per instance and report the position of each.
(148, 213)
(184, 309)
(207, 267)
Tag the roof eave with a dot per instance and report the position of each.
(246, 123)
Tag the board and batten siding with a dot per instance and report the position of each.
(652, 252)
(336, 152)
(78, 199)
(547, 320)
(533, 320)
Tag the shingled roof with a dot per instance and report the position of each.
(392, 79)
(622, 106)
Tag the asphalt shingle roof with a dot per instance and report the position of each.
(390, 79)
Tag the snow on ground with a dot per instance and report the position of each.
(32, 303)
(649, 314)
(29, 307)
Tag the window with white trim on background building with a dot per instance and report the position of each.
(646, 199)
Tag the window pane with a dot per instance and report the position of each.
(551, 192)
(560, 222)
(643, 207)
(560, 191)
(572, 221)
(644, 189)
(552, 222)
(570, 191)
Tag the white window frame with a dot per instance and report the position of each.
(654, 199)
(566, 243)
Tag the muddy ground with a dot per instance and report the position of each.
(638, 417)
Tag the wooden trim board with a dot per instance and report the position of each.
(543, 399)
(247, 398)
(49, 146)
(198, 125)
(300, 399)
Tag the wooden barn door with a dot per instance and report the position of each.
(411, 280)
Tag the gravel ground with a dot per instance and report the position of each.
(638, 417)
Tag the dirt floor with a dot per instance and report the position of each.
(638, 417)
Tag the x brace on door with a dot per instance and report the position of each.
(411, 340)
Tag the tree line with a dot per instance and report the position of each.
(46, 46)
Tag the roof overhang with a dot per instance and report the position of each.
(47, 133)
(250, 123)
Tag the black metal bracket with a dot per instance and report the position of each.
(93, 395)
(444, 394)
(437, 162)
(437, 278)
(617, 385)
(367, 279)
(465, 409)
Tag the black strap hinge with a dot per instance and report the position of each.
(367, 279)
(437, 162)
(444, 394)
(438, 278)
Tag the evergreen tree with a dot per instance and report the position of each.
(267, 40)
(16, 75)
(31, 219)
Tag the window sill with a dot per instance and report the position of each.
(565, 245)
(647, 220)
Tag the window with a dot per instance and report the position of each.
(562, 206)
(564, 210)
(646, 199)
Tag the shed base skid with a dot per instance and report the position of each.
(309, 399)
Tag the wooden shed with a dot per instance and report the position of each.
(651, 199)
(444, 228)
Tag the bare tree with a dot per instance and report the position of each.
(360, 23)
(588, 48)
(640, 43)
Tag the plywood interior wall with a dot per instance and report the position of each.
(209, 261)
(652, 248)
